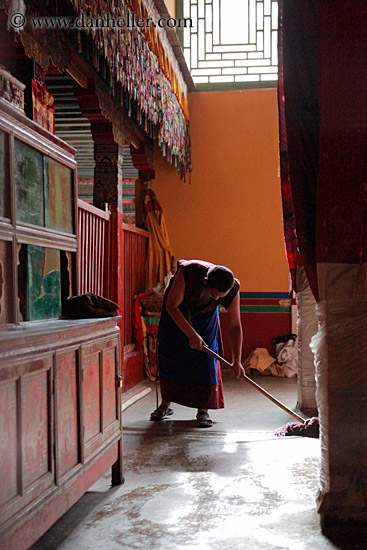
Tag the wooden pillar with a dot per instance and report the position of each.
(323, 55)
(107, 193)
(108, 190)
(108, 184)
(111, 130)
(342, 262)
(142, 158)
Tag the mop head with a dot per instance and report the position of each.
(309, 429)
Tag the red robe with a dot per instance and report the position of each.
(187, 376)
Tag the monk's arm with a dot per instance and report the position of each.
(174, 299)
(235, 335)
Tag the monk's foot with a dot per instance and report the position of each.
(161, 412)
(203, 420)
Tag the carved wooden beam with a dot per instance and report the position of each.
(143, 160)
(47, 47)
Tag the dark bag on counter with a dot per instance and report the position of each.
(89, 305)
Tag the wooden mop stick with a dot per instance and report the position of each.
(256, 386)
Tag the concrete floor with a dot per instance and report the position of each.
(230, 487)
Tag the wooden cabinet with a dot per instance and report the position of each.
(38, 229)
(60, 420)
(60, 396)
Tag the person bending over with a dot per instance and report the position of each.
(189, 319)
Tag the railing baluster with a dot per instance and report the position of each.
(93, 225)
(135, 242)
(92, 228)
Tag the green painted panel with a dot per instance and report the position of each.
(28, 172)
(151, 320)
(58, 196)
(4, 180)
(43, 283)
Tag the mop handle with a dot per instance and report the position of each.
(256, 386)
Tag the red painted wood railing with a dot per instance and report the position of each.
(135, 250)
(93, 229)
(92, 225)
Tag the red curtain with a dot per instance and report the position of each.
(298, 122)
(342, 191)
(323, 119)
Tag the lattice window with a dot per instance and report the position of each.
(231, 41)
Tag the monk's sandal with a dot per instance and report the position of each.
(203, 420)
(161, 412)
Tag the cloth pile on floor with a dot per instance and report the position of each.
(285, 363)
(261, 360)
(310, 428)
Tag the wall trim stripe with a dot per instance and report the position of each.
(265, 309)
(269, 302)
(265, 295)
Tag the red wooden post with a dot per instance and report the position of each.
(108, 184)
(135, 244)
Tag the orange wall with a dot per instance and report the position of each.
(171, 7)
(231, 213)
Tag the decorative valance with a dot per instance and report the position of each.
(160, 46)
(143, 62)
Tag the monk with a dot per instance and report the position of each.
(189, 319)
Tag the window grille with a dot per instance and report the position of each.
(231, 42)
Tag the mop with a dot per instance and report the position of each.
(304, 427)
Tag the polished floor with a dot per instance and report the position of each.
(230, 487)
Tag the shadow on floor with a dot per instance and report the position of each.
(230, 487)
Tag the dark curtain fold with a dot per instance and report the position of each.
(322, 96)
(298, 124)
(290, 234)
(342, 190)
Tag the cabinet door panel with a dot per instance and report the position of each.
(67, 412)
(101, 417)
(9, 428)
(36, 424)
(110, 413)
(92, 396)
(26, 411)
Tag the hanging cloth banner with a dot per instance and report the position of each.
(43, 102)
(145, 66)
(159, 256)
(160, 46)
